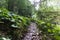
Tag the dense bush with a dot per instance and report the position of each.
(49, 31)
(17, 25)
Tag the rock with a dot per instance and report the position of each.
(32, 32)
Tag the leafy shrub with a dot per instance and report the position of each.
(48, 30)
(17, 23)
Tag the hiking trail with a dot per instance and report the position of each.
(32, 32)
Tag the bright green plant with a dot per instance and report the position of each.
(17, 23)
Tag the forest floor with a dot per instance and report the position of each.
(32, 32)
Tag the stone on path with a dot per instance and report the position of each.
(32, 32)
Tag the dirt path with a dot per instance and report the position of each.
(32, 32)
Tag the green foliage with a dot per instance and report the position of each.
(48, 30)
(46, 18)
(5, 14)
(22, 7)
(48, 21)
(3, 3)
(15, 21)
